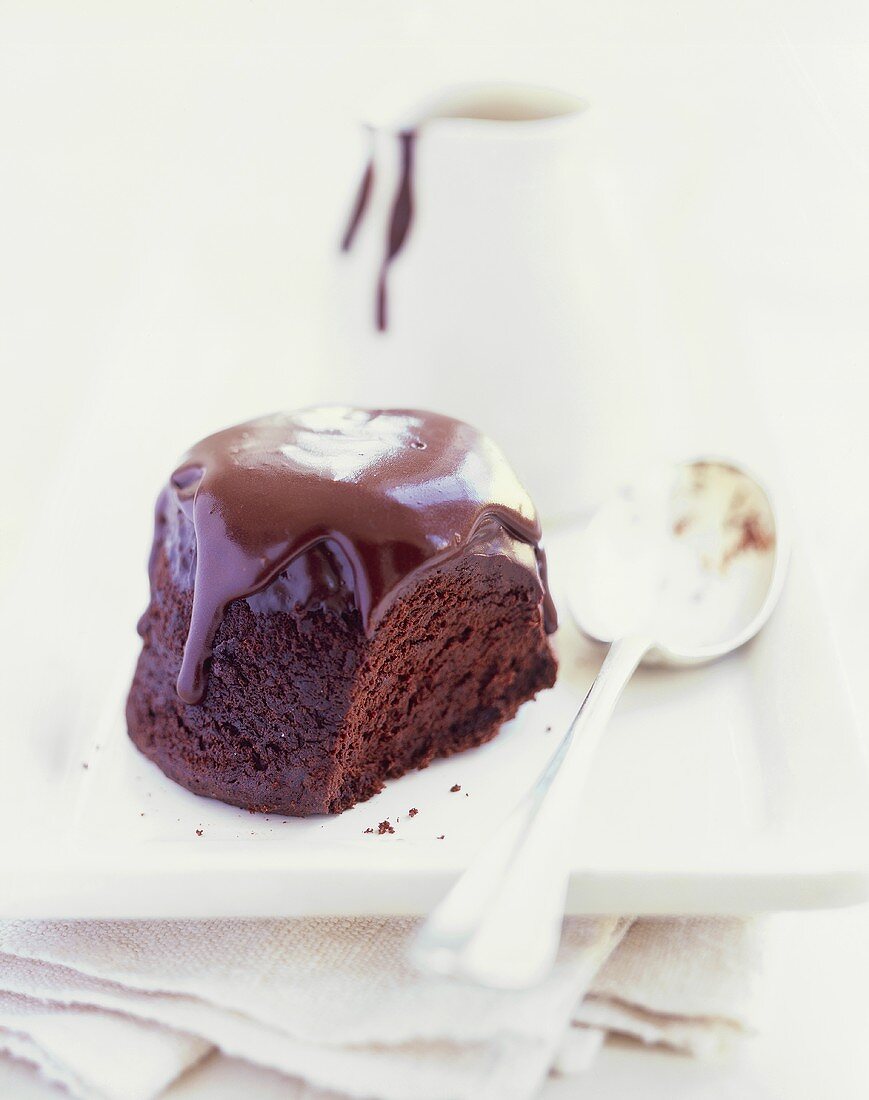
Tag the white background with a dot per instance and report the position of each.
(173, 179)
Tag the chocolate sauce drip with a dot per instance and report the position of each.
(399, 221)
(360, 205)
(392, 492)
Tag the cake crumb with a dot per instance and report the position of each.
(384, 827)
(412, 812)
(455, 787)
(752, 536)
(84, 766)
(441, 837)
(681, 525)
(367, 830)
(548, 729)
(199, 832)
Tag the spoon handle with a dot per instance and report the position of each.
(500, 924)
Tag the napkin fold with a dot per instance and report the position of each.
(115, 1010)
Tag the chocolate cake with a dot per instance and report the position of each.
(337, 596)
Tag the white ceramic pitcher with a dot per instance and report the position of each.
(482, 272)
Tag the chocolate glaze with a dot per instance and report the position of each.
(399, 221)
(387, 494)
(360, 204)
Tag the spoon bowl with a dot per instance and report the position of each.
(692, 557)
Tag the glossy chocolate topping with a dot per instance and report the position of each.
(360, 205)
(399, 222)
(386, 493)
(400, 218)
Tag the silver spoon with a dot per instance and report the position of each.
(677, 570)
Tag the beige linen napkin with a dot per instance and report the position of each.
(117, 1009)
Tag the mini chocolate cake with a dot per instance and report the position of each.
(337, 596)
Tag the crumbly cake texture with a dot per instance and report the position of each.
(305, 715)
(306, 710)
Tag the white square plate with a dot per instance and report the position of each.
(734, 788)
